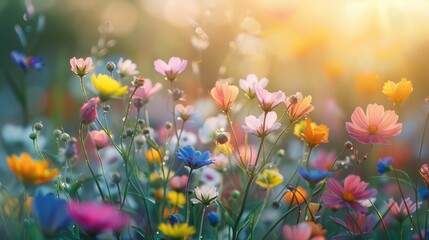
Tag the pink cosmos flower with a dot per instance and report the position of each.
(80, 66)
(399, 211)
(96, 217)
(375, 126)
(224, 95)
(350, 195)
(298, 106)
(88, 111)
(324, 160)
(100, 138)
(178, 183)
(268, 101)
(147, 91)
(184, 113)
(358, 224)
(247, 84)
(262, 125)
(174, 67)
(126, 68)
(301, 231)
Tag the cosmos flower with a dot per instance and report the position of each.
(315, 134)
(126, 68)
(192, 158)
(178, 183)
(297, 106)
(399, 211)
(398, 92)
(384, 164)
(27, 63)
(224, 95)
(301, 231)
(247, 85)
(81, 67)
(374, 126)
(269, 178)
(184, 113)
(108, 87)
(205, 195)
(262, 125)
(51, 213)
(313, 176)
(176, 230)
(324, 160)
(171, 70)
(268, 101)
(357, 225)
(147, 91)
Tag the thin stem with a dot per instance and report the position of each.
(201, 222)
(381, 219)
(243, 205)
(37, 149)
(83, 88)
(187, 196)
(278, 221)
(234, 136)
(127, 112)
(104, 174)
(264, 203)
(423, 138)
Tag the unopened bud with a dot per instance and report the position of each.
(178, 94)
(110, 66)
(276, 204)
(235, 194)
(138, 81)
(222, 137)
(57, 133)
(281, 153)
(38, 126)
(138, 102)
(348, 145)
(33, 136)
(106, 107)
(64, 137)
(129, 132)
(116, 177)
(168, 125)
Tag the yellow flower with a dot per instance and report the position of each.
(29, 171)
(296, 196)
(269, 178)
(176, 199)
(176, 230)
(298, 130)
(315, 134)
(108, 87)
(398, 92)
(153, 154)
(12, 206)
(160, 175)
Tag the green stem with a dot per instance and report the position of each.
(83, 89)
(201, 222)
(243, 206)
(104, 174)
(423, 138)
(278, 221)
(187, 196)
(127, 112)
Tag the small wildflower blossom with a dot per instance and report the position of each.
(213, 218)
(374, 126)
(324, 160)
(29, 171)
(301, 231)
(88, 111)
(210, 176)
(297, 106)
(398, 92)
(108, 87)
(247, 85)
(268, 101)
(147, 91)
(269, 178)
(224, 95)
(315, 134)
(153, 155)
(81, 67)
(296, 196)
(220, 162)
(126, 68)
(184, 113)
(178, 183)
(51, 213)
(349, 195)
(205, 195)
(384, 164)
(357, 225)
(176, 199)
(171, 70)
(261, 126)
(399, 211)
(299, 127)
(192, 158)
(100, 138)
(424, 173)
(317, 230)
(176, 230)
(424, 193)
(313, 176)
(12, 206)
(27, 63)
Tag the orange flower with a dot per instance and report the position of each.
(153, 155)
(12, 206)
(224, 95)
(315, 134)
(297, 106)
(29, 171)
(398, 92)
(296, 196)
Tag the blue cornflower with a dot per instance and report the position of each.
(194, 159)
(27, 63)
(213, 218)
(384, 164)
(313, 176)
(51, 213)
(424, 193)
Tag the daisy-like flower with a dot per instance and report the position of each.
(126, 68)
(247, 85)
(313, 176)
(224, 95)
(184, 113)
(269, 178)
(398, 92)
(399, 211)
(384, 164)
(205, 195)
(27, 63)
(357, 225)
(297, 106)
(81, 67)
(170, 70)
(315, 134)
(374, 126)
(349, 195)
(176, 230)
(176, 199)
(108, 87)
(301, 231)
(192, 158)
(29, 171)
(268, 101)
(147, 91)
(262, 125)
(178, 182)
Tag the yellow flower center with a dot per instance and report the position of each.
(348, 197)
(372, 129)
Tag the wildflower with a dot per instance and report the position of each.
(213, 218)
(220, 162)
(224, 95)
(297, 195)
(193, 159)
(384, 164)
(375, 126)
(398, 92)
(153, 155)
(51, 213)
(424, 193)
(222, 137)
(268, 101)
(178, 183)
(399, 211)
(210, 176)
(108, 87)
(354, 190)
(12, 206)
(29, 171)
(205, 195)
(269, 178)
(81, 67)
(299, 127)
(176, 199)
(298, 106)
(315, 134)
(160, 175)
(247, 85)
(184, 113)
(317, 230)
(88, 111)
(424, 173)
(324, 161)
(96, 217)
(126, 68)
(261, 126)
(176, 230)
(27, 63)
(147, 91)
(301, 231)
(174, 67)
(100, 138)
(357, 225)
(313, 176)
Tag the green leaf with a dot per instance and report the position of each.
(249, 217)
(139, 231)
(225, 213)
(75, 187)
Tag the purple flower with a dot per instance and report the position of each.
(358, 224)
(313, 176)
(384, 164)
(400, 211)
(262, 125)
(174, 67)
(268, 101)
(194, 159)
(27, 63)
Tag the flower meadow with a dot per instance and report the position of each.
(149, 155)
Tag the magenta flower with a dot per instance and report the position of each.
(374, 126)
(100, 138)
(174, 67)
(357, 225)
(88, 111)
(147, 91)
(96, 217)
(80, 66)
(262, 125)
(399, 211)
(268, 101)
(350, 195)
(247, 85)
(301, 231)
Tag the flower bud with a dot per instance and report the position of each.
(138, 81)
(57, 133)
(64, 137)
(38, 126)
(110, 66)
(178, 94)
(424, 172)
(168, 125)
(106, 107)
(33, 136)
(213, 218)
(129, 132)
(116, 177)
(71, 149)
(235, 194)
(348, 145)
(276, 204)
(138, 102)
(281, 153)
(139, 141)
(88, 111)
(222, 137)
